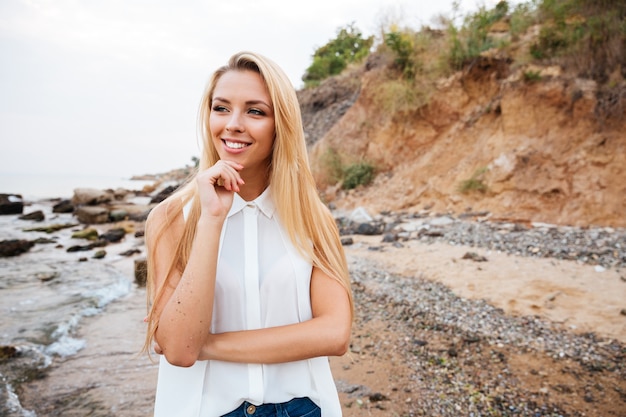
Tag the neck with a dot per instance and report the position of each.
(253, 187)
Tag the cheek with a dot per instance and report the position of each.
(214, 126)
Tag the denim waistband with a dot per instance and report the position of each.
(297, 405)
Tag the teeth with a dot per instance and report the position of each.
(235, 145)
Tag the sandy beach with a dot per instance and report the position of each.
(108, 377)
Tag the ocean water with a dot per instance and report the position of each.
(55, 185)
(44, 296)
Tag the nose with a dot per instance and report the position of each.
(235, 122)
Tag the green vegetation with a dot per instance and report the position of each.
(584, 37)
(589, 35)
(350, 176)
(360, 173)
(403, 45)
(475, 182)
(472, 38)
(532, 76)
(331, 59)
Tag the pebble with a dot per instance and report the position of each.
(603, 247)
(468, 374)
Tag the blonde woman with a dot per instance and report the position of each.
(249, 289)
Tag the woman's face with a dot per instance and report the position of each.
(242, 121)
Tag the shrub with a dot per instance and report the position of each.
(349, 46)
(532, 76)
(473, 38)
(589, 35)
(474, 183)
(403, 46)
(360, 173)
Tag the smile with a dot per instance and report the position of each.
(235, 145)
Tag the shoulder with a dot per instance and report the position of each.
(165, 217)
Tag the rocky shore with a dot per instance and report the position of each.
(455, 315)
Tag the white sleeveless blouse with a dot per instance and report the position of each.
(262, 281)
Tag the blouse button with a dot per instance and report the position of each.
(251, 409)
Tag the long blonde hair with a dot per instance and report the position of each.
(309, 223)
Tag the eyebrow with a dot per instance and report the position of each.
(249, 102)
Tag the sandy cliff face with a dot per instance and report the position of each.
(537, 148)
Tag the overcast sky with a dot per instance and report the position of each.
(113, 86)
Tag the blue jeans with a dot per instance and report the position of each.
(298, 407)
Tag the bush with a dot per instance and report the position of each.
(472, 38)
(402, 44)
(331, 59)
(589, 35)
(361, 173)
(474, 183)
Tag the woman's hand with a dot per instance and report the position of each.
(216, 186)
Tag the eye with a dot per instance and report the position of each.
(257, 112)
(219, 108)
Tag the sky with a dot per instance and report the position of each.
(93, 87)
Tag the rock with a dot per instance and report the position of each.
(8, 352)
(46, 276)
(474, 257)
(37, 216)
(139, 217)
(14, 247)
(130, 252)
(141, 272)
(390, 238)
(51, 228)
(63, 206)
(163, 194)
(82, 248)
(11, 204)
(367, 229)
(360, 215)
(118, 215)
(114, 235)
(377, 396)
(92, 215)
(88, 233)
(91, 196)
(347, 241)
(100, 254)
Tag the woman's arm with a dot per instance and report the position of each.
(326, 334)
(186, 307)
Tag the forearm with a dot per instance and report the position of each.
(186, 317)
(313, 338)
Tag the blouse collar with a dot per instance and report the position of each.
(264, 202)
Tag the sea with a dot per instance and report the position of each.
(47, 292)
(55, 185)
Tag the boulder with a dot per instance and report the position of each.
(163, 194)
(14, 247)
(63, 206)
(92, 215)
(91, 196)
(88, 233)
(11, 204)
(118, 215)
(141, 272)
(37, 216)
(114, 235)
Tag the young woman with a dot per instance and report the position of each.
(249, 289)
